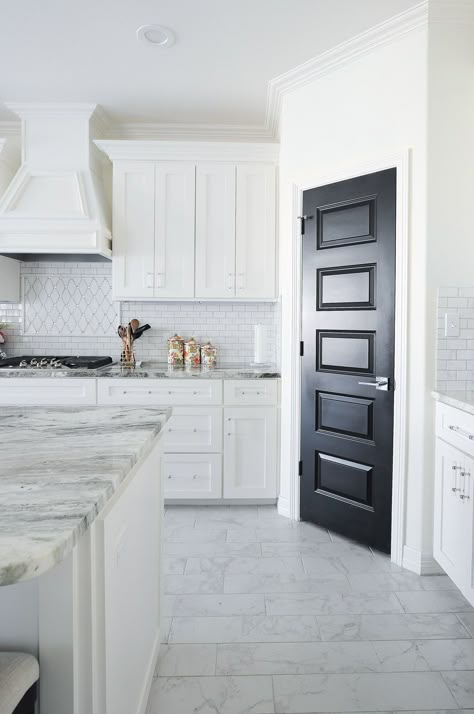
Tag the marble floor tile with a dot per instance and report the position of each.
(217, 605)
(400, 656)
(211, 695)
(173, 566)
(264, 615)
(397, 581)
(467, 619)
(332, 604)
(199, 583)
(299, 694)
(185, 534)
(461, 685)
(210, 550)
(246, 565)
(186, 660)
(259, 628)
(391, 627)
(448, 654)
(277, 534)
(296, 658)
(283, 583)
(434, 601)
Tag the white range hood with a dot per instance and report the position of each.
(56, 203)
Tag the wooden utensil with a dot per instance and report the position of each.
(134, 324)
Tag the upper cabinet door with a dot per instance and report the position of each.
(215, 230)
(255, 232)
(175, 185)
(133, 230)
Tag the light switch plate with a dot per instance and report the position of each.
(451, 325)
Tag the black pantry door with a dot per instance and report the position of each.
(348, 332)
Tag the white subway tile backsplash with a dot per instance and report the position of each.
(455, 356)
(67, 308)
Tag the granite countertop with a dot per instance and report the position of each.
(459, 400)
(150, 370)
(59, 467)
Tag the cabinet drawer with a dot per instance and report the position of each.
(456, 427)
(192, 475)
(42, 391)
(244, 392)
(160, 392)
(194, 429)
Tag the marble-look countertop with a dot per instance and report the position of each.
(59, 466)
(459, 400)
(150, 370)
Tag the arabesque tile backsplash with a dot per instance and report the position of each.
(67, 309)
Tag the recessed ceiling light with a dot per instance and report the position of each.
(156, 35)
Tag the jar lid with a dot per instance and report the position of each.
(175, 337)
(192, 341)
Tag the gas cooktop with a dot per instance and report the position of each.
(49, 362)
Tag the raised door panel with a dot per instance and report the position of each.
(133, 230)
(174, 229)
(453, 516)
(250, 452)
(44, 391)
(215, 230)
(255, 232)
(192, 476)
(194, 429)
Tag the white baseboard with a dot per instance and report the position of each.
(420, 562)
(284, 507)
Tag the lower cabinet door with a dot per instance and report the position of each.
(188, 476)
(250, 452)
(454, 514)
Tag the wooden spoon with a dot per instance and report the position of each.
(134, 324)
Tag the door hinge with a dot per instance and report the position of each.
(300, 468)
(301, 348)
(302, 220)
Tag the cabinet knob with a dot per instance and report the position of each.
(194, 476)
(169, 476)
(124, 391)
(149, 391)
(229, 434)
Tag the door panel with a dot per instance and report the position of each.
(348, 323)
(134, 240)
(255, 232)
(250, 452)
(215, 230)
(174, 229)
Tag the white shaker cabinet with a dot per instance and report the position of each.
(174, 229)
(255, 232)
(215, 230)
(134, 230)
(153, 254)
(250, 452)
(454, 497)
(194, 220)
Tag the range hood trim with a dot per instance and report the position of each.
(76, 218)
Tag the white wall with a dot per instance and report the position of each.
(363, 111)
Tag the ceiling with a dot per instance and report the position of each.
(217, 72)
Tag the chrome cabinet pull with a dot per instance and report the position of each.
(461, 432)
(381, 383)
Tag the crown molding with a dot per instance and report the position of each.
(52, 110)
(189, 132)
(339, 56)
(119, 149)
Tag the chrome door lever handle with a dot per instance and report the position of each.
(381, 383)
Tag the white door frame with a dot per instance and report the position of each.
(400, 161)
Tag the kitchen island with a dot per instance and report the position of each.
(80, 518)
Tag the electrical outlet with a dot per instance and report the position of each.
(451, 325)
